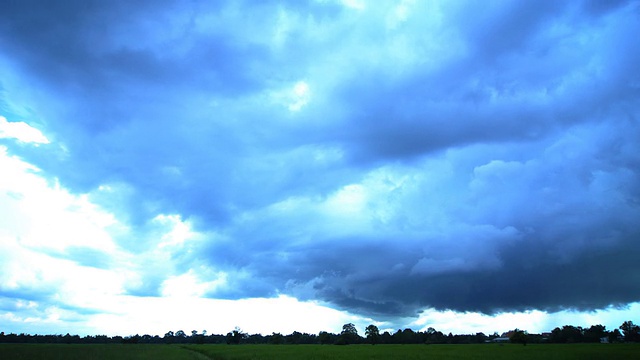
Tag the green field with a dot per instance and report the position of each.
(95, 352)
(481, 351)
(351, 352)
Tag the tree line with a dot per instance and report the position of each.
(627, 332)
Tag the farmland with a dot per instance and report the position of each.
(319, 352)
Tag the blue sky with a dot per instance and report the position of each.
(289, 165)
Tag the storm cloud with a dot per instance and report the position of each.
(383, 158)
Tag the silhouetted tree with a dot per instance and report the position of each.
(294, 338)
(168, 337)
(324, 338)
(435, 337)
(519, 337)
(254, 339)
(385, 338)
(480, 338)
(630, 331)
(372, 333)
(568, 334)
(349, 329)
(349, 335)
(406, 336)
(234, 337)
(594, 333)
(276, 338)
(131, 339)
(615, 336)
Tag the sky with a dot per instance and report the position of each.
(298, 165)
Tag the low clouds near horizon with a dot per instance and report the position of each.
(380, 157)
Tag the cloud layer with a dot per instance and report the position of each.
(383, 158)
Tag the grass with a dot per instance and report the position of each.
(318, 352)
(379, 352)
(95, 352)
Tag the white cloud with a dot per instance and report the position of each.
(40, 222)
(21, 131)
(350, 200)
(354, 4)
(258, 315)
(189, 285)
(534, 321)
(45, 216)
(42, 228)
(294, 97)
(399, 14)
(176, 230)
(300, 95)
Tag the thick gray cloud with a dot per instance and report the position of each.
(468, 157)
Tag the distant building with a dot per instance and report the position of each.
(501, 340)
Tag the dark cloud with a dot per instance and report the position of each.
(488, 164)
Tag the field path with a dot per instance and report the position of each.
(196, 354)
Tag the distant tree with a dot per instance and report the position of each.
(385, 338)
(406, 336)
(168, 337)
(630, 331)
(615, 336)
(574, 334)
(234, 337)
(294, 338)
(349, 329)
(519, 337)
(307, 338)
(435, 337)
(349, 335)
(324, 338)
(594, 334)
(556, 336)
(276, 338)
(254, 339)
(480, 338)
(131, 339)
(568, 334)
(372, 333)
(198, 338)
